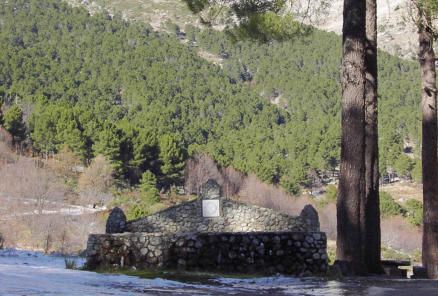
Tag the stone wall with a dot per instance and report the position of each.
(234, 217)
(213, 233)
(211, 212)
(296, 253)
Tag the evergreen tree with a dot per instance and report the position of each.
(14, 124)
(172, 157)
(108, 144)
(42, 125)
(147, 187)
(148, 196)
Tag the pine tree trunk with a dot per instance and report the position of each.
(429, 151)
(370, 210)
(352, 171)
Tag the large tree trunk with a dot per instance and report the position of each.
(429, 150)
(352, 171)
(370, 210)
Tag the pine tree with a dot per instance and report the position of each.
(14, 124)
(172, 158)
(108, 144)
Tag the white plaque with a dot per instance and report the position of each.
(210, 208)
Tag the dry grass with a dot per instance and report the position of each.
(399, 234)
(256, 192)
(403, 191)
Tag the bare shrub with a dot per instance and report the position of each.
(95, 184)
(65, 163)
(36, 188)
(199, 168)
(6, 155)
(233, 180)
(398, 233)
(256, 192)
(327, 220)
(5, 137)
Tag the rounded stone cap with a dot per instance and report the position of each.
(116, 222)
(210, 190)
(310, 216)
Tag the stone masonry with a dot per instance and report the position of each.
(213, 233)
(295, 253)
(234, 217)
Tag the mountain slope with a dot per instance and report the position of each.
(396, 31)
(101, 84)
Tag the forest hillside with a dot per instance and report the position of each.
(121, 98)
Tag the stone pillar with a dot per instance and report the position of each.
(116, 222)
(310, 217)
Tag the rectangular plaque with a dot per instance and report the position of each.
(210, 208)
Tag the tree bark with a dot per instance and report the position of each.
(352, 170)
(370, 209)
(429, 149)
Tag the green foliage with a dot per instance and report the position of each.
(417, 171)
(14, 124)
(104, 85)
(172, 158)
(268, 26)
(403, 166)
(331, 254)
(149, 198)
(109, 145)
(391, 254)
(388, 207)
(148, 189)
(414, 212)
(291, 186)
(331, 192)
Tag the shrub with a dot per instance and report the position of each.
(388, 207)
(149, 198)
(414, 212)
(70, 262)
(331, 192)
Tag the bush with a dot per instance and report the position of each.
(331, 192)
(388, 207)
(140, 210)
(391, 254)
(414, 212)
(149, 198)
(70, 262)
